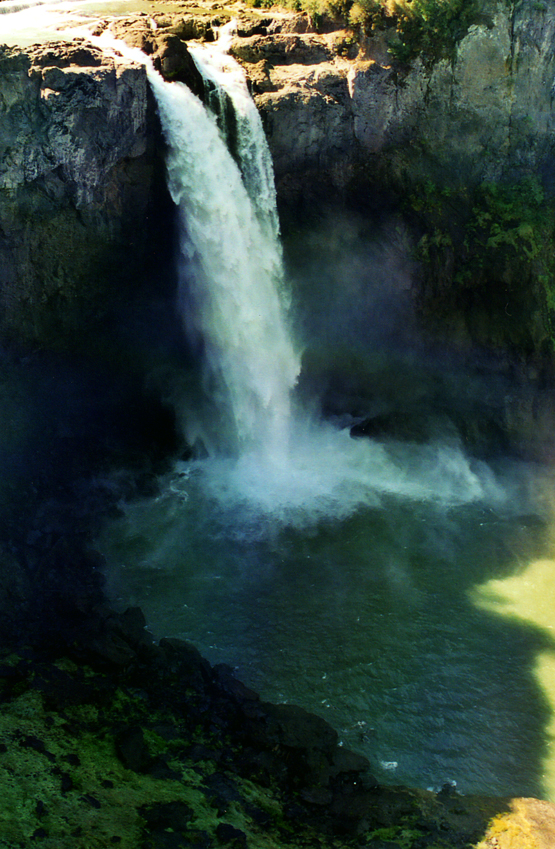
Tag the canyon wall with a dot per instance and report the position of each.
(77, 179)
(81, 177)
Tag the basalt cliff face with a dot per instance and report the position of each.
(331, 107)
(460, 148)
(80, 173)
(77, 180)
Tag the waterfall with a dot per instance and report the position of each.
(230, 265)
(262, 461)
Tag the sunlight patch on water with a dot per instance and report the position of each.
(363, 616)
(529, 596)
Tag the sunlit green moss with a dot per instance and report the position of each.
(62, 783)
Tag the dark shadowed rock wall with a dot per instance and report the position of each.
(78, 172)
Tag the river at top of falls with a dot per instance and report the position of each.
(334, 572)
(27, 22)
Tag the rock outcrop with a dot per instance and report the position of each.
(329, 104)
(77, 178)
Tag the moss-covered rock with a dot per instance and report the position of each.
(161, 750)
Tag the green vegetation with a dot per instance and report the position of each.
(497, 245)
(399, 836)
(89, 758)
(430, 28)
(63, 785)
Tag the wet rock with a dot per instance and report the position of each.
(132, 749)
(183, 661)
(321, 796)
(159, 768)
(344, 762)
(230, 835)
(395, 425)
(15, 595)
(168, 815)
(232, 688)
(90, 800)
(222, 789)
(66, 781)
(296, 728)
(164, 42)
(290, 49)
(174, 62)
(117, 639)
(76, 170)
(195, 27)
(29, 741)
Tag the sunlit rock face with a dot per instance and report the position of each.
(475, 116)
(76, 183)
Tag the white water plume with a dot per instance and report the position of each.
(264, 460)
(328, 476)
(231, 277)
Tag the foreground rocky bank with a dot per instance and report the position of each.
(116, 741)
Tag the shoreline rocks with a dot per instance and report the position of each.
(189, 751)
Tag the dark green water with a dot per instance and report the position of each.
(366, 619)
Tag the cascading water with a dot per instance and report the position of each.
(264, 457)
(231, 276)
(229, 98)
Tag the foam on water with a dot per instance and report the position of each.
(328, 476)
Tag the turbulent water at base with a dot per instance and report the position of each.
(264, 459)
(340, 574)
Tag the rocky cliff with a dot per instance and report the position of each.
(77, 179)
(330, 103)
(345, 121)
(431, 138)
